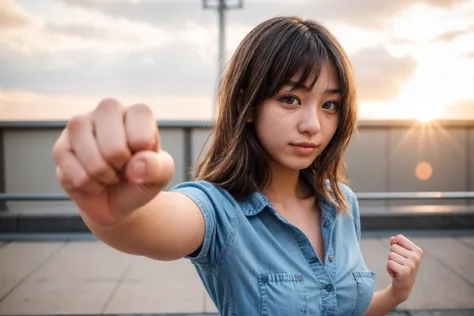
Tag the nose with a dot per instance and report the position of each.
(309, 121)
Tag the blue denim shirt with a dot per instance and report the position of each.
(254, 262)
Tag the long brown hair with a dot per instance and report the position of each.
(267, 58)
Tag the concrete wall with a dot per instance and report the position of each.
(382, 157)
(367, 162)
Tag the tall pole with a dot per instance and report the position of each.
(222, 6)
(221, 21)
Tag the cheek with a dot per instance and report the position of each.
(271, 132)
(329, 127)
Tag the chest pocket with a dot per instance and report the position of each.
(365, 290)
(282, 294)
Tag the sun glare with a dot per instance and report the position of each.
(428, 112)
(425, 95)
(425, 119)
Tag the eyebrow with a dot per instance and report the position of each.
(295, 85)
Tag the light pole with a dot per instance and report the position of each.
(221, 6)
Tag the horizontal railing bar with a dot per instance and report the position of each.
(34, 197)
(25, 124)
(62, 124)
(360, 196)
(414, 195)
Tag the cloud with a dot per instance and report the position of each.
(379, 74)
(368, 13)
(168, 49)
(469, 55)
(453, 35)
(88, 32)
(173, 70)
(459, 110)
(83, 31)
(13, 16)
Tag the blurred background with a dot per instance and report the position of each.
(412, 58)
(411, 163)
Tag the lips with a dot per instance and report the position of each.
(304, 148)
(305, 145)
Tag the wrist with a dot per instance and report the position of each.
(395, 299)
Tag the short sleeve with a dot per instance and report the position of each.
(354, 208)
(356, 215)
(218, 210)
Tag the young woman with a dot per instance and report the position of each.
(268, 222)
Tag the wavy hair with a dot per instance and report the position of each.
(267, 58)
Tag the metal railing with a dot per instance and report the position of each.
(189, 126)
(368, 196)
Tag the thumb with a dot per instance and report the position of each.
(146, 174)
(150, 168)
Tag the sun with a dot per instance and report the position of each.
(425, 119)
(426, 113)
(425, 96)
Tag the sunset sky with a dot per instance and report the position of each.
(412, 58)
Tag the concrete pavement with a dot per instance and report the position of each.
(88, 277)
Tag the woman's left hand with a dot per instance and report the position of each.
(403, 263)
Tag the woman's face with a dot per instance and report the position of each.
(297, 124)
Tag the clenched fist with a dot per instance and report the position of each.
(403, 262)
(109, 161)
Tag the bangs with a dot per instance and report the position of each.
(303, 54)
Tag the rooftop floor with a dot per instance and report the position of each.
(88, 277)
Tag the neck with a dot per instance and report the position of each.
(286, 185)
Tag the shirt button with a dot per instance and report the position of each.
(331, 258)
(329, 287)
(326, 224)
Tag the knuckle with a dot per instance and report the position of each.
(57, 152)
(60, 148)
(77, 122)
(98, 169)
(142, 108)
(117, 154)
(81, 181)
(141, 141)
(109, 104)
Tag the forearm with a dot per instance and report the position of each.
(167, 228)
(383, 302)
(127, 234)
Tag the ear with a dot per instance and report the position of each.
(250, 118)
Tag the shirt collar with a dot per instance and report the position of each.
(257, 201)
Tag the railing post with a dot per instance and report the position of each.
(188, 156)
(3, 204)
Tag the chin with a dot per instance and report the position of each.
(298, 164)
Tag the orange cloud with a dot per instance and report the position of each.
(13, 16)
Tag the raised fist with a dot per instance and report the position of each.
(109, 161)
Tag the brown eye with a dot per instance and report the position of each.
(331, 105)
(290, 99)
